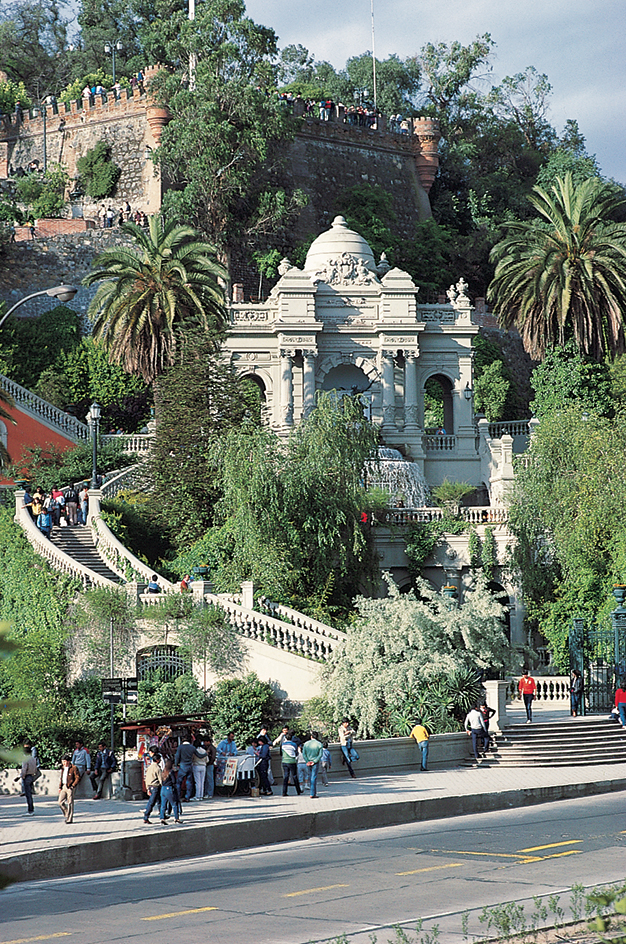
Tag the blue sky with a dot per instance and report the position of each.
(579, 44)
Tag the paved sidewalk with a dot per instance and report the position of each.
(110, 833)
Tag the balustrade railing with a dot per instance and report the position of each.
(509, 428)
(27, 400)
(288, 637)
(130, 478)
(477, 514)
(551, 690)
(140, 443)
(300, 619)
(57, 558)
(439, 443)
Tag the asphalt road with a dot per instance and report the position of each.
(356, 884)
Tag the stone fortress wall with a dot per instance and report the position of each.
(325, 159)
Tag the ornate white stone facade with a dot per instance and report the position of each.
(346, 323)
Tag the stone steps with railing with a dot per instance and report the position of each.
(41, 410)
(475, 514)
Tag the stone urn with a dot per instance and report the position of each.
(158, 116)
(619, 592)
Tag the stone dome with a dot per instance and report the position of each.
(332, 244)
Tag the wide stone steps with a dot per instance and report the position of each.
(578, 742)
(78, 543)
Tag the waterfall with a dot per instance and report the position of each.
(398, 476)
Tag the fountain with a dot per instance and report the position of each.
(399, 477)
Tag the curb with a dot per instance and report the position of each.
(145, 848)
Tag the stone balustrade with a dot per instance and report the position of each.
(57, 558)
(509, 428)
(41, 409)
(552, 690)
(132, 477)
(439, 443)
(476, 514)
(301, 620)
(132, 443)
(288, 637)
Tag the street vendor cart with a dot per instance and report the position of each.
(235, 774)
(164, 733)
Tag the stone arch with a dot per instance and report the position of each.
(363, 363)
(257, 379)
(447, 386)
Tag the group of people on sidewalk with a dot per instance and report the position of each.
(73, 768)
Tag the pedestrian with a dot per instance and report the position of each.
(289, 751)
(29, 773)
(326, 763)
(312, 752)
(153, 585)
(154, 779)
(278, 740)
(345, 741)
(620, 702)
(263, 753)
(70, 778)
(527, 687)
(209, 777)
(81, 759)
(169, 793)
(487, 713)
(475, 726)
(576, 691)
(420, 735)
(304, 774)
(83, 504)
(71, 506)
(198, 769)
(44, 522)
(104, 765)
(183, 761)
(227, 745)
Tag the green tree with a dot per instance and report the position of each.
(32, 345)
(33, 38)
(98, 173)
(564, 277)
(405, 642)
(242, 705)
(491, 391)
(147, 293)
(565, 378)
(44, 194)
(102, 617)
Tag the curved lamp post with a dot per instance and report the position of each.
(64, 293)
(93, 418)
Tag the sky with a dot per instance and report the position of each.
(578, 44)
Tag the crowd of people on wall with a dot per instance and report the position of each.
(359, 115)
(59, 508)
(110, 216)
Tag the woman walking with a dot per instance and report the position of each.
(576, 692)
(169, 793)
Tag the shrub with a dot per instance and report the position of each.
(98, 174)
(44, 194)
(242, 705)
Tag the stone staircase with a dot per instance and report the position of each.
(78, 543)
(571, 742)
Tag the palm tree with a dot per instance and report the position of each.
(564, 276)
(149, 291)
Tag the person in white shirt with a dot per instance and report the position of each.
(475, 726)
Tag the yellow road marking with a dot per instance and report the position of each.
(556, 855)
(433, 868)
(307, 891)
(552, 845)
(498, 855)
(177, 914)
(40, 937)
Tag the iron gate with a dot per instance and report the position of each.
(599, 652)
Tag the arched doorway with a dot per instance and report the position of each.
(168, 661)
(438, 409)
(346, 378)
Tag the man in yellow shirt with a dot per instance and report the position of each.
(420, 734)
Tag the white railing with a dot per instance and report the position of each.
(301, 620)
(113, 553)
(285, 636)
(140, 443)
(439, 443)
(57, 558)
(510, 428)
(477, 514)
(552, 690)
(27, 400)
(131, 477)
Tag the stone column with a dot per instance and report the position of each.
(389, 389)
(286, 387)
(308, 382)
(496, 699)
(411, 415)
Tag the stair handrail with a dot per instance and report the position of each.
(551, 690)
(112, 552)
(263, 628)
(27, 400)
(57, 558)
(124, 478)
(301, 619)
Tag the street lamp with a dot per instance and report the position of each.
(93, 418)
(64, 293)
(110, 49)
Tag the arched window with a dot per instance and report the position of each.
(438, 413)
(169, 661)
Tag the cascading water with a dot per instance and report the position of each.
(399, 477)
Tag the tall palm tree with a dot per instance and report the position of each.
(149, 291)
(564, 276)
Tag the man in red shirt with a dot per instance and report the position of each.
(527, 687)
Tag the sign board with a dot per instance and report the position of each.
(112, 690)
(230, 772)
(131, 691)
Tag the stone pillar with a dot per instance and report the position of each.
(389, 389)
(496, 699)
(411, 415)
(308, 382)
(286, 387)
(247, 594)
